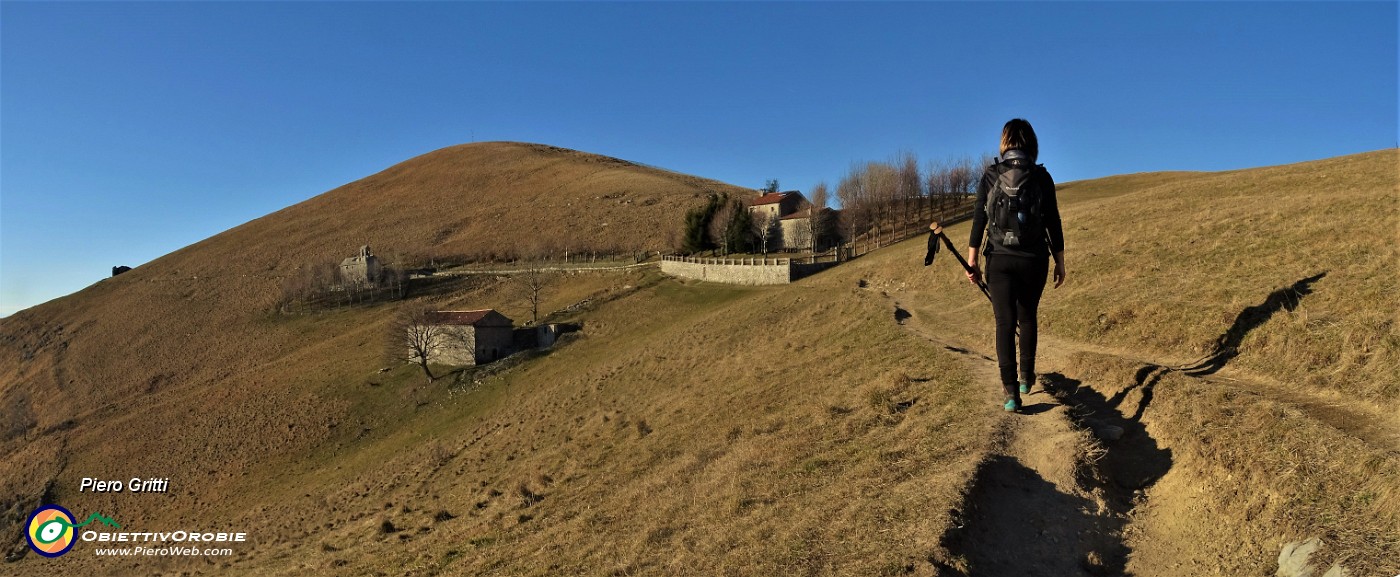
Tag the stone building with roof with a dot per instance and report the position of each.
(777, 204)
(472, 337)
(361, 270)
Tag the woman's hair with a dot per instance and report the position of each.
(1018, 134)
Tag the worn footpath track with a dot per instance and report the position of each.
(1036, 507)
(1059, 492)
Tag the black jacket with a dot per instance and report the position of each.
(1052, 238)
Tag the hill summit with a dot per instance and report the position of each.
(488, 199)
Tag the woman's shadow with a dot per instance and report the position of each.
(1134, 460)
(1227, 346)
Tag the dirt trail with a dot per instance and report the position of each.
(1378, 426)
(1030, 511)
(1367, 421)
(1059, 493)
(1035, 507)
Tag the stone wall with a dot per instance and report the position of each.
(803, 270)
(466, 345)
(456, 346)
(494, 343)
(755, 271)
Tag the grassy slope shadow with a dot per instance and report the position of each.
(1228, 345)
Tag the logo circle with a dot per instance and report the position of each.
(50, 531)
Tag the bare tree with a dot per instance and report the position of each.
(763, 223)
(416, 338)
(983, 163)
(317, 284)
(854, 209)
(936, 180)
(974, 174)
(298, 288)
(533, 278)
(959, 175)
(910, 188)
(722, 223)
(881, 181)
(816, 216)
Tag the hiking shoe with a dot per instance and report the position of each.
(1025, 388)
(1010, 405)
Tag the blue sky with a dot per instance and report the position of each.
(129, 130)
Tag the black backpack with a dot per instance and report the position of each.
(1013, 204)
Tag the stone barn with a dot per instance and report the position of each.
(363, 269)
(472, 337)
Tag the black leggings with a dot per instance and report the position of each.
(1015, 283)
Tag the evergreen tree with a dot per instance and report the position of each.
(697, 226)
(740, 233)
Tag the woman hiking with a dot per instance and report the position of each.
(1017, 213)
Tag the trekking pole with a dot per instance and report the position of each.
(936, 234)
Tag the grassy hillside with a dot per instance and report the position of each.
(1241, 327)
(188, 316)
(179, 364)
(691, 429)
(704, 429)
(1291, 268)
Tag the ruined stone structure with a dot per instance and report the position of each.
(362, 269)
(472, 337)
(545, 335)
(542, 336)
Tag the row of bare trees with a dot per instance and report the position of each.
(559, 251)
(885, 201)
(321, 286)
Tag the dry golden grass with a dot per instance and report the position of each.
(1173, 266)
(690, 428)
(177, 367)
(1249, 474)
(684, 422)
(1293, 437)
(193, 316)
